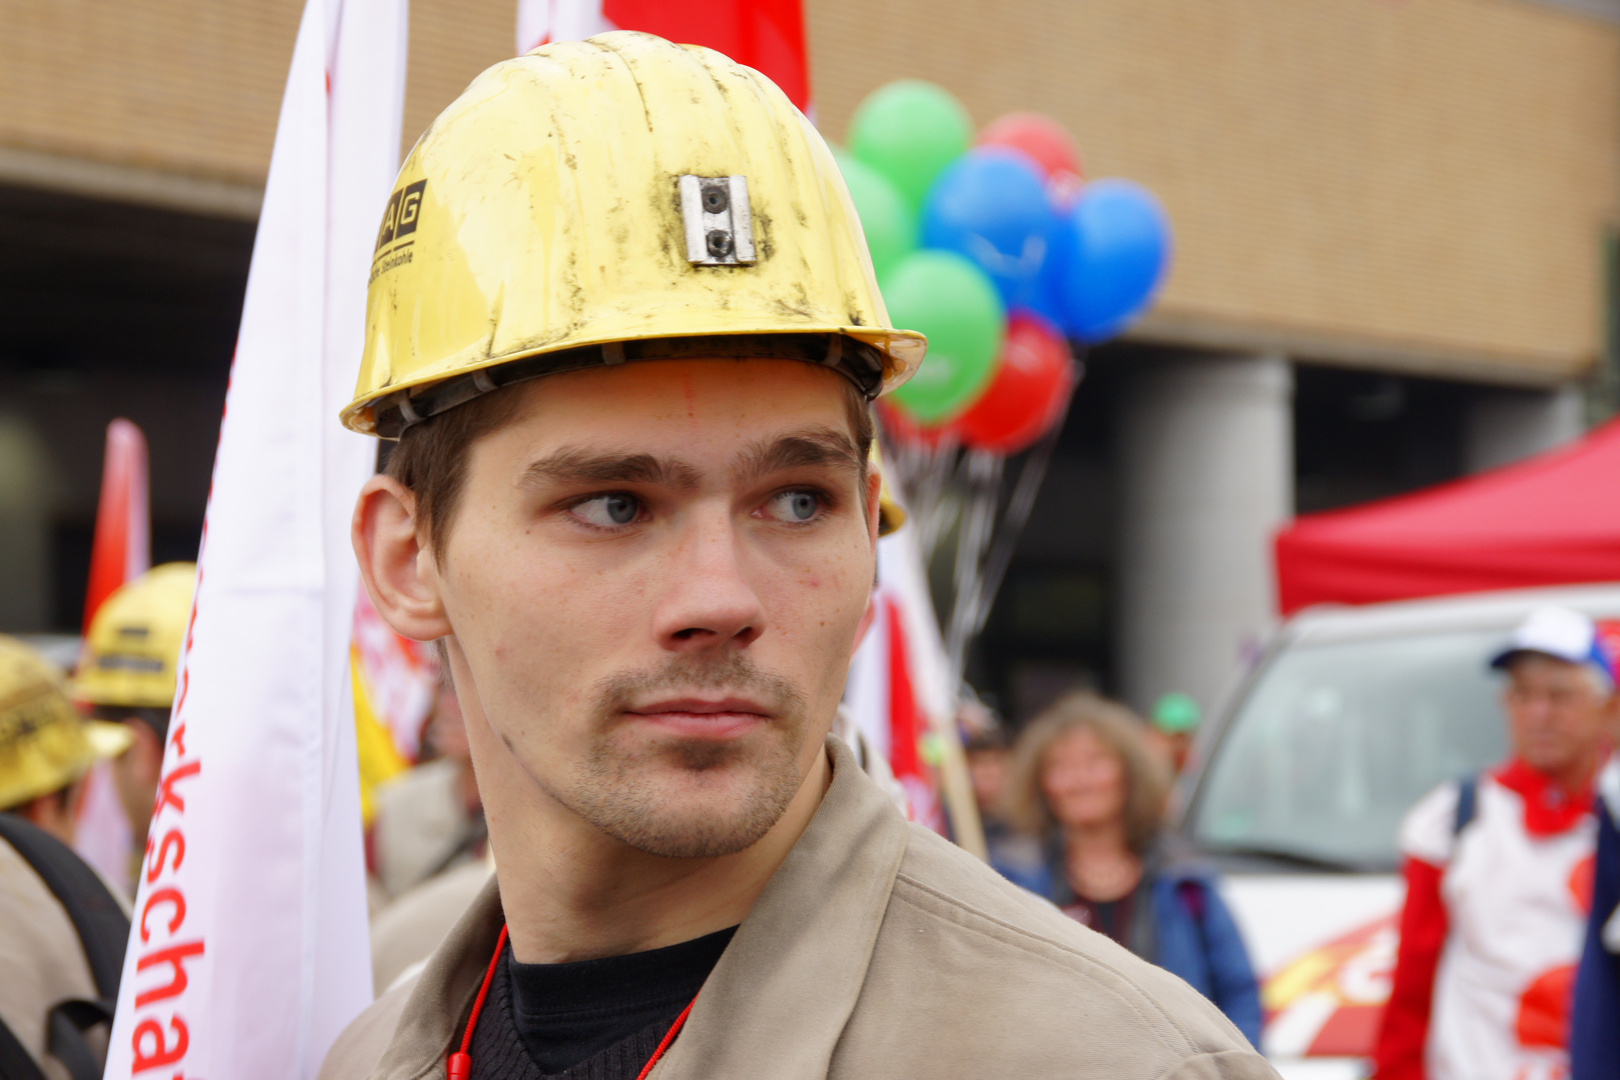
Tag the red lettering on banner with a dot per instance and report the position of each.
(175, 955)
(169, 896)
(161, 1052)
(154, 864)
(167, 796)
(153, 1049)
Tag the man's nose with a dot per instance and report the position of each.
(709, 599)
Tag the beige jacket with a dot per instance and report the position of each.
(42, 963)
(878, 951)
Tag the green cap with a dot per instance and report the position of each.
(1176, 713)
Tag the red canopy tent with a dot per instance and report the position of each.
(1551, 520)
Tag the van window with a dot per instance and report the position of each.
(1334, 743)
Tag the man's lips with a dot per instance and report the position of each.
(700, 718)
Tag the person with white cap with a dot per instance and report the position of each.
(1498, 875)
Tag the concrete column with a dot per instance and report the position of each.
(24, 528)
(1502, 426)
(1205, 458)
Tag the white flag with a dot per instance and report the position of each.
(543, 21)
(249, 951)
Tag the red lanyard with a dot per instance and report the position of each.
(459, 1067)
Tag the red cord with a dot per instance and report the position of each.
(459, 1067)
(669, 1037)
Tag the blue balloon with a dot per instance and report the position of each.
(1109, 258)
(990, 205)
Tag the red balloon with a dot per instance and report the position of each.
(1031, 388)
(1040, 137)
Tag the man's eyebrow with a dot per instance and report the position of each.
(572, 465)
(813, 447)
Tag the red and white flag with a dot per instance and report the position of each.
(121, 552)
(767, 35)
(249, 950)
(899, 692)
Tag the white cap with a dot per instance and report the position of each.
(1560, 633)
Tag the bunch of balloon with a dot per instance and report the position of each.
(998, 248)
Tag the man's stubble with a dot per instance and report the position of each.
(622, 793)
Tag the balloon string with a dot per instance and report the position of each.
(1019, 507)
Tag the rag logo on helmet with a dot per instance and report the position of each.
(399, 221)
(404, 210)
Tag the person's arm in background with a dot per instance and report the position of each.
(1428, 835)
(1594, 1037)
(1405, 1030)
(1232, 982)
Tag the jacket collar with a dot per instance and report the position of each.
(783, 990)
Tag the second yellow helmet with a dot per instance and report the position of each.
(133, 649)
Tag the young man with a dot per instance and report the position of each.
(1499, 876)
(649, 569)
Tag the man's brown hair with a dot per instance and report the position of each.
(430, 458)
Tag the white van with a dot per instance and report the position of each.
(1303, 778)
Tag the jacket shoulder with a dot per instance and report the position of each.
(1005, 981)
(357, 1051)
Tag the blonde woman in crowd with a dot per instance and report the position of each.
(1085, 780)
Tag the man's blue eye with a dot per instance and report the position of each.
(795, 506)
(609, 510)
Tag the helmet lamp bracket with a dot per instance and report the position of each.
(718, 223)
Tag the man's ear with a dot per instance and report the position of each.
(874, 502)
(398, 568)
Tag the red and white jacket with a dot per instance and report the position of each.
(1491, 932)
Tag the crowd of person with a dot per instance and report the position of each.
(1509, 950)
(1509, 938)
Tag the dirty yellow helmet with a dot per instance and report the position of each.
(134, 644)
(622, 198)
(44, 744)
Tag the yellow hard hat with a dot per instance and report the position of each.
(44, 744)
(621, 198)
(134, 645)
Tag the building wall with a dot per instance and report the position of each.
(118, 99)
(1417, 184)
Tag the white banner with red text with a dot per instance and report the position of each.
(249, 949)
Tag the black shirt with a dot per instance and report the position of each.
(588, 1020)
(1110, 917)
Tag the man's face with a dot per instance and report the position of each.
(655, 577)
(1557, 715)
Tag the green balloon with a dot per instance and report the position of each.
(889, 224)
(951, 300)
(909, 131)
